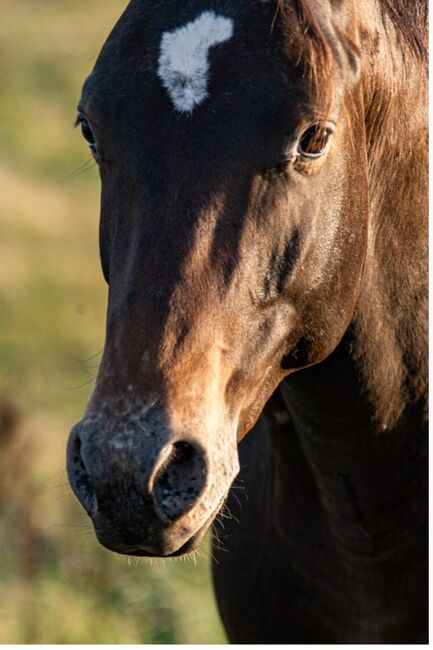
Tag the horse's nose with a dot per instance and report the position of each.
(168, 487)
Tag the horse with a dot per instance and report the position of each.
(263, 236)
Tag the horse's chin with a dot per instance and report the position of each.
(186, 548)
(171, 548)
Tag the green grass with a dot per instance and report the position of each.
(57, 585)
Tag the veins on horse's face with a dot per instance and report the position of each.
(223, 225)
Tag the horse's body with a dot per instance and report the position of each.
(263, 212)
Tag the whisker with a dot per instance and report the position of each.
(235, 496)
(86, 383)
(92, 357)
(81, 169)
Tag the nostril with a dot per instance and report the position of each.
(179, 480)
(78, 475)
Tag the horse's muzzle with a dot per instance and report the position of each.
(145, 496)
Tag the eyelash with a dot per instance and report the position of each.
(86, 132)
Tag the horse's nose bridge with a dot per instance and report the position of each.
(136, 316)
(164, 329)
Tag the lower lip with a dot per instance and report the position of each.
(185, 548)
(190, 545)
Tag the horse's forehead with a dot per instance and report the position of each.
(191, 59)
(174, 43)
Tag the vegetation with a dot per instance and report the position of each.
(57, 585)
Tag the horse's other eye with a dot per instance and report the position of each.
(314, 141)
(87, 132)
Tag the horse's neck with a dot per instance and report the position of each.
(390, 323)
(331, 476)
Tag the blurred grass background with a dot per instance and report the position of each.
(57, 585)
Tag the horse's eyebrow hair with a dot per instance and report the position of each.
(183, 65)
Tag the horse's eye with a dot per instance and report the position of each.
(314, 141)
(87, 131)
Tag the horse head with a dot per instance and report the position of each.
(233, 235)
